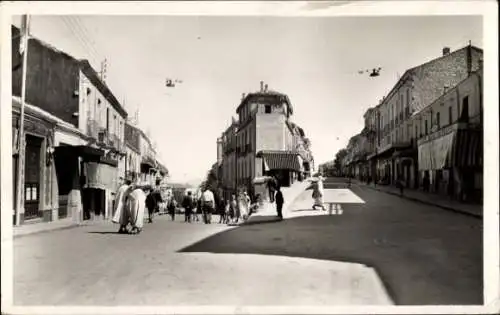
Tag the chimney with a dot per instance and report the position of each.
(262, 86)
(265, 88)
(446, 51)
(242, 96)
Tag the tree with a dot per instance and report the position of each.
(337, 163)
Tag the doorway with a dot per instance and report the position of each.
(32, 170)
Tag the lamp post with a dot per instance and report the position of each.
(21, 140)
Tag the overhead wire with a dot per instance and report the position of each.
(79, 37)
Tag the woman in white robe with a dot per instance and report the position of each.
(136, 205)
(243, 206)
(318, 193)
(121, 213)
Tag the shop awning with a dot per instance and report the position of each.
(280, 160)
(467, 149)
(461, 148)
(79, 150)
(101, 176)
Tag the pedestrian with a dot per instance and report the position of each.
(242, 206)
(234, 209)
(318, 194)
(172, 206)
(271, 186)
(222, 211)
(208, 205)
(187, 204)
(151, 204)
(197, 213)
(228, 213)
(136, 204)
(399, 184)
(121, 212)
(279, 202)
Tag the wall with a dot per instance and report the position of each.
(95, 106)
(51, 78)
(132, 137)
(270, 132)
(420, 87)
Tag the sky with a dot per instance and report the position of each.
(315, 60)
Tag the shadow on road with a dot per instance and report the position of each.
(107, 232)
(412, 271)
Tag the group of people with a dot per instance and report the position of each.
(130, 203)
(133, 199)
(229, 211)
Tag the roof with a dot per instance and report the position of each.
(86, 69)
(449, 91)
(267, 93)
(102, 87)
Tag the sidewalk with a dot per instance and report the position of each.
(268, 212)
(475, 210)
(42, 227)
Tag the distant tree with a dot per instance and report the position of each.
(338, 159)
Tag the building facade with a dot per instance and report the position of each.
(395, 155)
(450, 151)
(427, 132)
(75, 130)
(263, 142)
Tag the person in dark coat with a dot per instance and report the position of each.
(172, 206)
(271, 186)
(188, 204)
(151, 204)
(279, 202)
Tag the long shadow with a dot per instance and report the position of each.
(107, 232)
(339, 238)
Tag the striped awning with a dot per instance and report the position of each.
(280, 160)
(462, 148)
(467, 149)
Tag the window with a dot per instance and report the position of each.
(465, 109)
(426, 129)
(408, 98)
(107, 119)
(450, 115)
(267, 109)
(438, 120)
(416, 132)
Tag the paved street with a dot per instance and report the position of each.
(422, 254)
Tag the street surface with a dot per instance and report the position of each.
(420, 254)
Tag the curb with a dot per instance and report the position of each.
(65, 227)
(475, 215)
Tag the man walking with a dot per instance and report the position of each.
(271, 185)
(187, 204)
(151, 204)
(279, 202)
(208, 204)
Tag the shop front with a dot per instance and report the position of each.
(451, 161)
(71, 178)
(101, 183)
(284, 165)
(36, 199)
